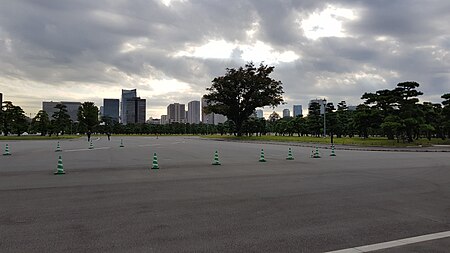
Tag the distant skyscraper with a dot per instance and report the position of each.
(286, 113)
(211, 118)
(259, 114)
(176, 113)
(193, 113)
(164, 120)
(321, 102)
(111, 108)
(297, 110)
(72, 108)
(126, 94)
(135, 110)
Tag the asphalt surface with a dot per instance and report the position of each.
(110, 201)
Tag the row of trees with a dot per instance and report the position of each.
(396, 114)
(14, 121)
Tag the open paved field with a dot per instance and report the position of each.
(110, 201)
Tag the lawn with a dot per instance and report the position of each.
(37, 137)
(374, 141)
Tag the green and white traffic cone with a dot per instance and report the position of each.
(290, 157)
(316, 154)
(6, 150)
(58, 148)
(60, 168)
(332, 151)
(155, 165)
(261, 158)
(91, 146)
(216, 158)
(121, 143)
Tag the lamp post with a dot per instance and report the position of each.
(324, 118)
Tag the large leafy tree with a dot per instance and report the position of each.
(240, 91)
(88, 116)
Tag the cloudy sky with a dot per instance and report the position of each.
(170, 50)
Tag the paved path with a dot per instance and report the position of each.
(109, 200)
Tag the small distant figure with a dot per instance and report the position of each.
(89, 135)
(109, 135)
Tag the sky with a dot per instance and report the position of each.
(170, 50)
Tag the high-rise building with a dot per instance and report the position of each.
(193, 113)
(111, 108)
(176, 113)
(321, 102)
(259, 114)
(211, 118)
(135, 110)
(286, 113)
(72, 108)
(297, 110)
(126, 94)
(1, 100)
(164, 120)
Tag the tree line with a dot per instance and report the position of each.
(394, 114)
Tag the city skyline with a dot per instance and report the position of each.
(172, 50)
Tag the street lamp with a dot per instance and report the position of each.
(324, 118)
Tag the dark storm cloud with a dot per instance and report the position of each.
(115, 43)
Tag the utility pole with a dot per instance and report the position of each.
(324, 118)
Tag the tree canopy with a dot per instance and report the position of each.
(88, 116)
(240, 91)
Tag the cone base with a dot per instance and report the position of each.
(7, 154)
(121, 146)
(155, 168)
(318, 156)
(59, 173)
(333, 155)
(262, 160)
(216, 163)
(58, 150)
(290, 158)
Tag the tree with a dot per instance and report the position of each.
(88, 116)
(41, 123)
(409, 109)
(240, 91)
(446, 114)
(62, 119)
(13, 119)
(313, 120)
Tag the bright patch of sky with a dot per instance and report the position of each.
(327, 23)
(257, 52)
(169, 2)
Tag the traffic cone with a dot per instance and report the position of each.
(316, 154)
(6, 150)
(216, 158)
(155, 162)
(121, 143)
(261, 158)
(332, 151)
(91, 146)
(58, 148)
(290, 157)
(60, 168)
